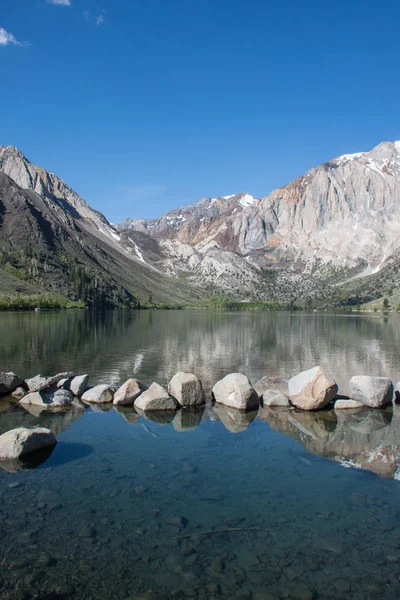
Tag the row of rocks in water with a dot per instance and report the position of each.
(313, 389)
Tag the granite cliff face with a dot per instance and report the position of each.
(332, 233)
(51, 240)
(339, 220)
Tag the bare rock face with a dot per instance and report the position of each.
(128, 392)
(22, 441)
(312, 389)
(235, 390)
(99, 394)
(343, 404)
(375, 392)
(9, 382)
(155, 398)
(187, 389)
(34, 382)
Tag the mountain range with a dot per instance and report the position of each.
(330, 236)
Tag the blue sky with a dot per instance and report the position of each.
(145, 105)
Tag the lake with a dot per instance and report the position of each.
(210, 503)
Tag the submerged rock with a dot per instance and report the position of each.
(21, 441)
(342, 404)
(9, 382)
(187, 389)
(99, 394)
(235, 390)
(312, 389)
(375, 392)
(128, 392)
(156, 398)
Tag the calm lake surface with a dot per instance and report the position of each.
(210, 503)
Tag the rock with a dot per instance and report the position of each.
(21, 441)
(274, 398)
(187, 389)
(339, 404)
(375, 392)
(312, 389)
(99, 394)
(156, 398)
(18, 393)
(235, 390)
(48, 401)
(271, 383)
(34, 382)
(179, 522)
(128, 392)
(9, 382)
(51, 381)
(79, 384)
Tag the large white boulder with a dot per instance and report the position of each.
(34, 382)
(375, 392)
(272, 397)
(9, 382)
(235, 390)
(79, 384)
(128, 392)
(155, 398)
(271, 383)
(99, 394)
(21, 441)
(312, 389)
(187, 389)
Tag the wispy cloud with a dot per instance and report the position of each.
(100, 19)
(60, 2)
(7, 38)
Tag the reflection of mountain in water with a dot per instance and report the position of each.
(154, 345)
(367, 438)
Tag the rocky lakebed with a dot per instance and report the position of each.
(282, 490)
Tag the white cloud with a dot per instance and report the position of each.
(7, 38)
(60, 2)
(86, 14)
(100, 19)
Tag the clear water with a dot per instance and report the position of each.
(215, 503)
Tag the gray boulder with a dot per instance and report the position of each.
(312, 389)
(348, 403)
(274, 398)
(36, 381)
(51, 382)
(18, 393)
(128, 392)
(187, 389)
(48, 401)
(156, 398)
(271, 383)
(79, 384)
(99, 394)
(22, 441)
(375, 392)
(235, 390)
(9, 382)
